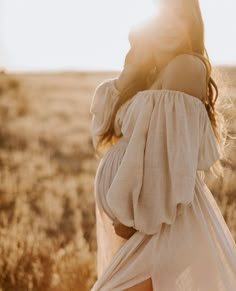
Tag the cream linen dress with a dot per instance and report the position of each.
(151, 179)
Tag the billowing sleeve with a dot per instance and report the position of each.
(101, 107)
(169, 141)
(209, 150)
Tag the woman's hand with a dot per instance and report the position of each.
(122, 230)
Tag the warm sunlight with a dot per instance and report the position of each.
(50, 33)
(136, 11)
(109, 168)
(78, 34)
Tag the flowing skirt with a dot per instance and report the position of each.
(196, 253)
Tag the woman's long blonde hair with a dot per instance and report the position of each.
(190, 40)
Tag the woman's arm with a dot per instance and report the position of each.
(138, 61)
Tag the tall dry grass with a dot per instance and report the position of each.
(47, 169)
(46, 196)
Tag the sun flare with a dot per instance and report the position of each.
(139, 11)
(78, 34)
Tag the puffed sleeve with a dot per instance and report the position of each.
(168, 143)
(209, 150)
(101, 107)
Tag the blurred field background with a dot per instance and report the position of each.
(47, 169)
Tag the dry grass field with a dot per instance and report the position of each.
(47, 169)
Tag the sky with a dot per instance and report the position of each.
(38, 35)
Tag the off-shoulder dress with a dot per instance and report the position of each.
(151, 179)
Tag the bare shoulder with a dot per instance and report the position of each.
(186, 73)
(186, 64)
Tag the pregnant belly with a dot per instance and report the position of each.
(106, 172)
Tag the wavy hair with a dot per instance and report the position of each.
(175, 31)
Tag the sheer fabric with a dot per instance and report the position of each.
(151, 179)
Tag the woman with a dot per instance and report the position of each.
(156, 129)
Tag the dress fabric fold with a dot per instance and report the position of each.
(151, 179)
